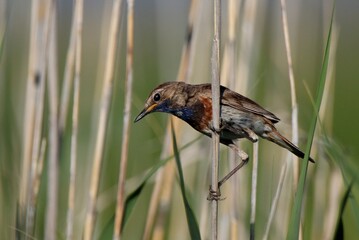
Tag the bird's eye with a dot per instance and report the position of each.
(157, 97)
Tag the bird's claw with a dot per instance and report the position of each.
(214, 195)
(217, 130)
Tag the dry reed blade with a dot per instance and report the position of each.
(156, 192)
(102, 124)
(53, 157)
(164, 178)
(254, 191)
(32, 86)
(77, 25)
(295, 136)
(294, 226)
(275, 201)
(67, 81)
(126, 122)
(31, 205)
(34, 111)
(336, 185)
(292, 92)
(35, 186)
(228, 77)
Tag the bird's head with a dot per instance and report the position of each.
(164, 98)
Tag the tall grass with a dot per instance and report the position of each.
(64, 120)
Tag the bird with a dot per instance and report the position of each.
(240, 117)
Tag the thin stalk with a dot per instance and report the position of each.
(67, 81)
(292, 92)
(215, 63)
(39, 101)
(275, 200)
(228, 74)
(156, 192)
(102, 125)
(126, 122)
(78, 18)
(184, 70)
(336, 185)
(294, 225)
(295, 134)
(35, 185)
(254, 190)
(52, 185)
(32, 84)
(160, 194)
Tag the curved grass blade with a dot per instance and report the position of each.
(133, 196)
(191, 220)
(293, 232)
(339, 231)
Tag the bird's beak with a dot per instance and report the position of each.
(145, 111)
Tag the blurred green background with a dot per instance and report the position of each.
(160, 28)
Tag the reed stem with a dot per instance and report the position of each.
(215, 62)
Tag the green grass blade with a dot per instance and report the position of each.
(191, 220)
(339, 231)
(293, 232)
(349, 173)
(136, 192)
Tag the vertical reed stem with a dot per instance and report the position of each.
(126, 122)
(52, 185)
(78, 13)
(292, 91)
(165, 175)
(102, 125)
(32, 87)
(216, 114)
(254, 190)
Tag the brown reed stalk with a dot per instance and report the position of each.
(36, 172)
(292, 92)
(67, 81)
(102, 125)
(336, 184)
(243, 67)
(254, 190)
(294, 160)
(77, 24)
(163, 184)
(184, 70)
(32, 89)
(156, 192)
(39, 95)
(126, 122)
(34, 113)
(215, 65)
(275, 201)
(52, 172)
(228, 77)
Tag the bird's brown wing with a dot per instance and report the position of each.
(242, 103)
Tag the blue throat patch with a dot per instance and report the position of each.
(183, 113)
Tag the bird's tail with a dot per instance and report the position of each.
(277, 138)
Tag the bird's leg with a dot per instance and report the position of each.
(216, 195)
(243, 156)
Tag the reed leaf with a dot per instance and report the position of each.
(294, 224)
(191, 219)
(133, 196)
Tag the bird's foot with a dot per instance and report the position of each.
(214, 195)
(217, 130)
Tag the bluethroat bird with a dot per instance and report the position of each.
(240, 117)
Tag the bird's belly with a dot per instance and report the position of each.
(240, 124)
